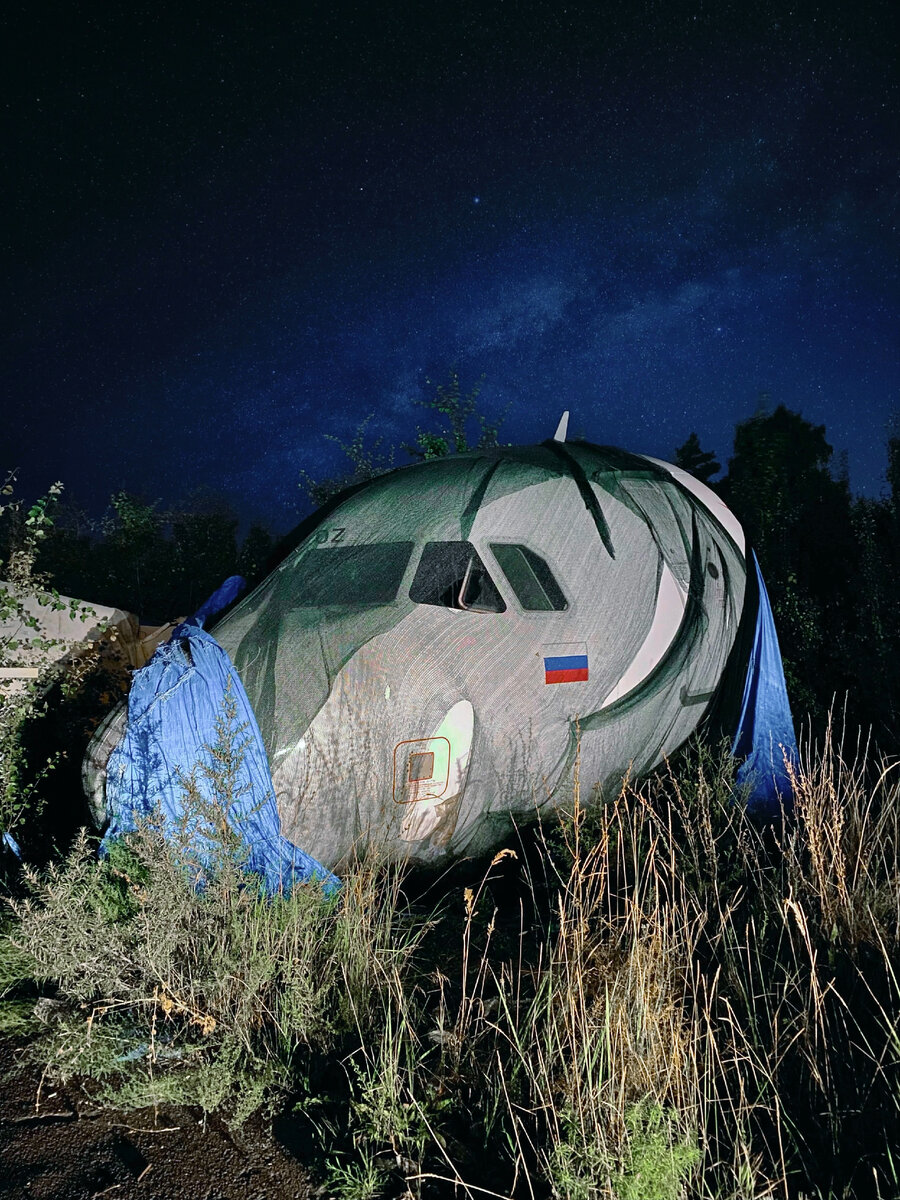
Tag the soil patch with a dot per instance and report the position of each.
(55, 1144)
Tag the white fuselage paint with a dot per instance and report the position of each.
(671, 602)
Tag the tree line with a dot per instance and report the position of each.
(831, 560)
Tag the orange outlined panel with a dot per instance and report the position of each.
(421, 769)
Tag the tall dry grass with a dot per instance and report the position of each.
(711, 1008)
(656, 998)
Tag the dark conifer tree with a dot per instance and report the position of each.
(797, 517)
(699, 463)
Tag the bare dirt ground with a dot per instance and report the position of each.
(56, 1145)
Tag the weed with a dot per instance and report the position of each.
(659, 1163)
(361, 1179)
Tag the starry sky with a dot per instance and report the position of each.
(230, 231)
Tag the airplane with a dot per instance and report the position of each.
(446, 640)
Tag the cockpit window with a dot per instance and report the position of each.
(452, 574)
(350, 574)
(530, 578)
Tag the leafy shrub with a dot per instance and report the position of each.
(210, 995)
(28, 658)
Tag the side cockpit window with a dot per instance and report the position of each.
(350, 575)
(530, 578)
(451, 574)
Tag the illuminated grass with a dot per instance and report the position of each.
(653, 999)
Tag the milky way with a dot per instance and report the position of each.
(227, 238)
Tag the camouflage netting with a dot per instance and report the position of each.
(424, 663)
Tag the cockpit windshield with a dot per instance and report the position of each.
(451, 574)
(350, 575)
(530, 578)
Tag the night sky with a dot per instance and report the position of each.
(228, 232)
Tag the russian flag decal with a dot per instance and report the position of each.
(566, 663)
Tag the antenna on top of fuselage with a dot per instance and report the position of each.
(562, 427)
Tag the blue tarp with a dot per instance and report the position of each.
(176, 715)
(765, 734)
(10, 843)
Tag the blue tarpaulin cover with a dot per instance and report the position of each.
(176, 714)
(765, 736)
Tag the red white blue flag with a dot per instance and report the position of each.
(566, 663)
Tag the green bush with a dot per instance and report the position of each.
(209, 995)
